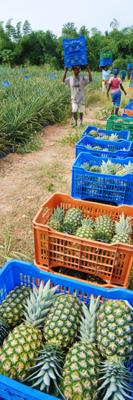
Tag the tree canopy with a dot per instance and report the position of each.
(20, 45)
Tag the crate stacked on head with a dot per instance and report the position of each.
(105, 59)
(74, 52)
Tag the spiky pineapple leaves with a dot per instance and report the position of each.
(46, 372)
(116, 380)
(38, 304)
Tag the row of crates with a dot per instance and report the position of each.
(91, 192)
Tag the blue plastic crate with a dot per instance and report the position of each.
(122, 148)
(74, 52)
(18, 273)
(105, 61)
(104, 132)
(88, 185)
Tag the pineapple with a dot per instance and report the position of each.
(115, 343)
(123, 230)
(80, 372)
(107, 168)
(86, 231)
(126, 169)
(60, 331)
(93, 133)
(104, 229)
(4, 330)
(63, 321)
(56, 219)
(113, 137)
(12, 307)
(73, 219)
(24, 342)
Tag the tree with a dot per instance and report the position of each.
(84, 31)
(26, 28)
(69, 30)
(114, 24)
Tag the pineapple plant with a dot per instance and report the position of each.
(12, 307)
(4, 330)
(115, 343)
(104, 228)
(80, 371)
(56, 219)
(23, 343)
(123, 230)
(60, 332)
(72, 220)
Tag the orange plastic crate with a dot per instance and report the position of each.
(111, 262)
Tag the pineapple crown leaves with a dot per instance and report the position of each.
(47, 369)
(116, 380)
(38, 304)
(123, 225)
(88, 321)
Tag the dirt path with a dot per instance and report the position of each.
(26, 181)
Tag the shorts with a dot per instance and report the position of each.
(78, 108)
(116, 98)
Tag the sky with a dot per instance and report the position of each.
(53, 14)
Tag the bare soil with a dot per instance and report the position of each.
(26, 181)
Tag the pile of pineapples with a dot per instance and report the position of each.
(59, 345)
(113, 137)
(109, 168)
(112, 149)
(103, 228)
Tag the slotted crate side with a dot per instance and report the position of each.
(74, 52)
(120, 123)
(121, 148)
(122, 134)
(19, 273)
(54, 249)
(97, 186)
(13, 390)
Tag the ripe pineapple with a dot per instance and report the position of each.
(72, 220)
(63, 321)
(80, 372)
(23, 343)
(60, 331)
(93, 133)
(104, 229)
(107, 167)
(115, 343)
(126, 169)
(12, 307)
(113, 137)
(86, 230)
(4, 330)
(123, 230)
(56, 219)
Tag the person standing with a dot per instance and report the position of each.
(115, 85)
(77, 83)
